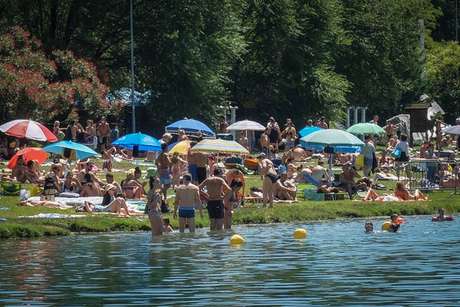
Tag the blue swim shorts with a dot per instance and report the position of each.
(187, 212)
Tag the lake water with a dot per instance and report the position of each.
(337, 265)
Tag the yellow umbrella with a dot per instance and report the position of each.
(181, 148)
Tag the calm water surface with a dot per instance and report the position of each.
(337, 265)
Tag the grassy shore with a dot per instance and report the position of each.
(17, 224)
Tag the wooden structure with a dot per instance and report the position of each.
(419, 121)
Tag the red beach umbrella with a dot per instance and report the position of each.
(28, 154)
(29, 129)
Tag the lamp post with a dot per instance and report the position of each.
(133, 107)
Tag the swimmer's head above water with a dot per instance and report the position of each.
(369, 227)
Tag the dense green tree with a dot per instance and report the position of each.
(187, 55)
(287, 58)
(444, 29)
(384, 61)
(288, 69)
(443, 69)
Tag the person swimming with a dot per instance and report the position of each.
(368, 227)
(395, 223)
(167, 225)
(442, 217)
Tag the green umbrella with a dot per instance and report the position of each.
(340, 140)
(366, 128)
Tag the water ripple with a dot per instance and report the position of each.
(337, 265)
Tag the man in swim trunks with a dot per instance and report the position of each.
(187, 199)
(216, 188)
(163, 163)
(274, 132)
(290, 134)
(103, 133)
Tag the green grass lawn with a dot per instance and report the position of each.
(18, 226)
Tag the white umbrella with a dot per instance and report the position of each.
(246, 125)
(452, 130)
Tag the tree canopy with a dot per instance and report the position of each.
(286, 58)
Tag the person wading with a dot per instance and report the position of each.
(187, 199)
(270, 177)
(216, 188)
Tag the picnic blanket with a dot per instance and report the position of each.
(72, 201)
(52, 216)
(137, 205)
(386, 176)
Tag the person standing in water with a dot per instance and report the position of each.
(216, 188)
(187, 199)
(267, 170)
(163, 163)
(154, 200)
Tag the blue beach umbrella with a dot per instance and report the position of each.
(339, 140)
(81, 151)
(190, 126)
(144, 142)
(307, 130)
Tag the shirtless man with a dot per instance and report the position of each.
(216, 188)
(103, 133)
(107, 156)
(163, 164)
(76, 130)
(290, 134)
(187, 199)
(322, 123)
(390, 129)
(201, 160)
(19, 171)
(264, 141)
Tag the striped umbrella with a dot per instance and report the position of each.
(28, 129)
(219, 146)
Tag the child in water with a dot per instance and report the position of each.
(167, 226)
(369, 227)
(395, 223)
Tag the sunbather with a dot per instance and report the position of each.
(90, 187)
(131, 188)
(110, 203)
(283, 189)
(402, 193)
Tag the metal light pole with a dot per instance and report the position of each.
(132, 66)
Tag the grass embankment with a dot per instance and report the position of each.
(16, 225)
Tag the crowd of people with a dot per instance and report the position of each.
(201, 180)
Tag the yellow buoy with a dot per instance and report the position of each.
(300, 233)
(386, 226)
(237, 240)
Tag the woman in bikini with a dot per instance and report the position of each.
(154, 200)
(231, 200)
